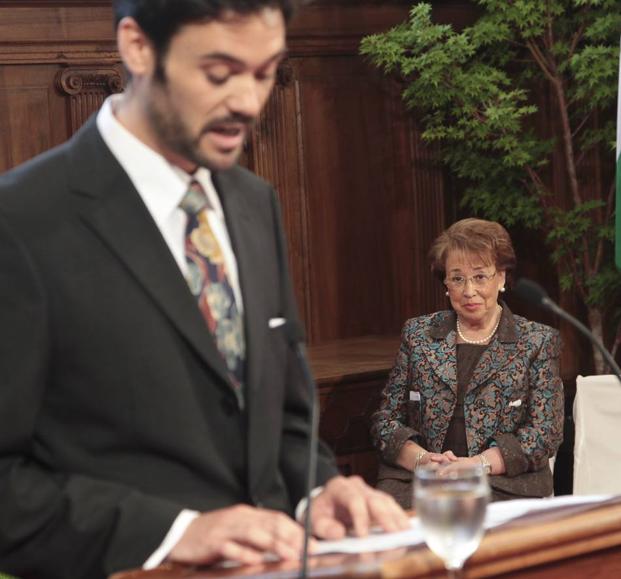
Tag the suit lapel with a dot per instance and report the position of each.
(244, 235)
(114, 211)
(244, 209)
(440, 351)
(500, 353)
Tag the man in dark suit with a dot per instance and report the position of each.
(150, 403)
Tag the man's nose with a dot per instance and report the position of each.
(248, 98)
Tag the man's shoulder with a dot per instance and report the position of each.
(50, 166)
(39, 166)
(39, 181)
(34, 182)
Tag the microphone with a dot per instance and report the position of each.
(295, 336)
(533, 293)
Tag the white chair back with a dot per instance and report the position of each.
(597, 447)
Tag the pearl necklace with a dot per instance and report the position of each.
(486, 338)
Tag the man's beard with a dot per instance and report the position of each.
(174, 134)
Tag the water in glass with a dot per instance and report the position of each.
(451, 508)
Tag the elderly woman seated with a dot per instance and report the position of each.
(474, 384)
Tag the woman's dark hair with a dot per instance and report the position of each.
(160, 20)
(487, 239)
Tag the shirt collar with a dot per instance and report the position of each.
(160, 184)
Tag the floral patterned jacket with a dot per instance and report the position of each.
(514, 400)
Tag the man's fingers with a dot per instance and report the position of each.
(355, 504)
(359, 515)
(239, 533)
(241, 554)
(288, 537)
(273, 535)
(349, 494)
(327, 527)
(386, 513)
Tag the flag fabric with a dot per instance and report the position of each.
(618, 203)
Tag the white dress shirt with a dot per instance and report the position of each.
(162, 187)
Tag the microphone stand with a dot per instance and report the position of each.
(532, 292)
(300, 353)
(551, 305)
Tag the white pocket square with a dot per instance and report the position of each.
(414, 396)
(516, 403)
(276, 322)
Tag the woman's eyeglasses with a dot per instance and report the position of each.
(478, 280)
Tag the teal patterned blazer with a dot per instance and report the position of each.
(514, 400)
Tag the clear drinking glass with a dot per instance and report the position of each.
(451, 508)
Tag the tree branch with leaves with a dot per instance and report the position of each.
(476, 92)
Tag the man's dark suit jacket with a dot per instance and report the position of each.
(115, 407)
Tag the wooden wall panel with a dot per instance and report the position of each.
(30, 109)
(363, 236)
(38, 42)
(372, 206)
(275, 153)
(51, 22)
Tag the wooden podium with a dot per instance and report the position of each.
(569, 542)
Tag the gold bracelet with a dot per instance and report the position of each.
(485, 463)
(419, 456)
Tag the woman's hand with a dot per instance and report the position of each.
(493, 455)
(440, 459)
(459, 462)
(410, 450)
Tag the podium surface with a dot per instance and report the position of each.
(575, 541)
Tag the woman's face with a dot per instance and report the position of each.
(473, 283)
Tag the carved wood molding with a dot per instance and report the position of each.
(87, 88)
(73, 81)
(60, 53)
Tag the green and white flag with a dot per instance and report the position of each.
(618, 204)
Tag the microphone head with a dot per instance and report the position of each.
(530, 292)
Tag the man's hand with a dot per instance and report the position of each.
(349, 503)
(240, 533)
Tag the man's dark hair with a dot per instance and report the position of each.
(160, 20)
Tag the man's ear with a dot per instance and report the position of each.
(136, 50)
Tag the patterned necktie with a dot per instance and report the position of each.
(209, 283)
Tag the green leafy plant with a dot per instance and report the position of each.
(479, 91)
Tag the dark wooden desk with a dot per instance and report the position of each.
(573, 543)
(350, 375)
(353, 360)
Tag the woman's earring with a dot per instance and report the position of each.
(446, 293)
(502, 290)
